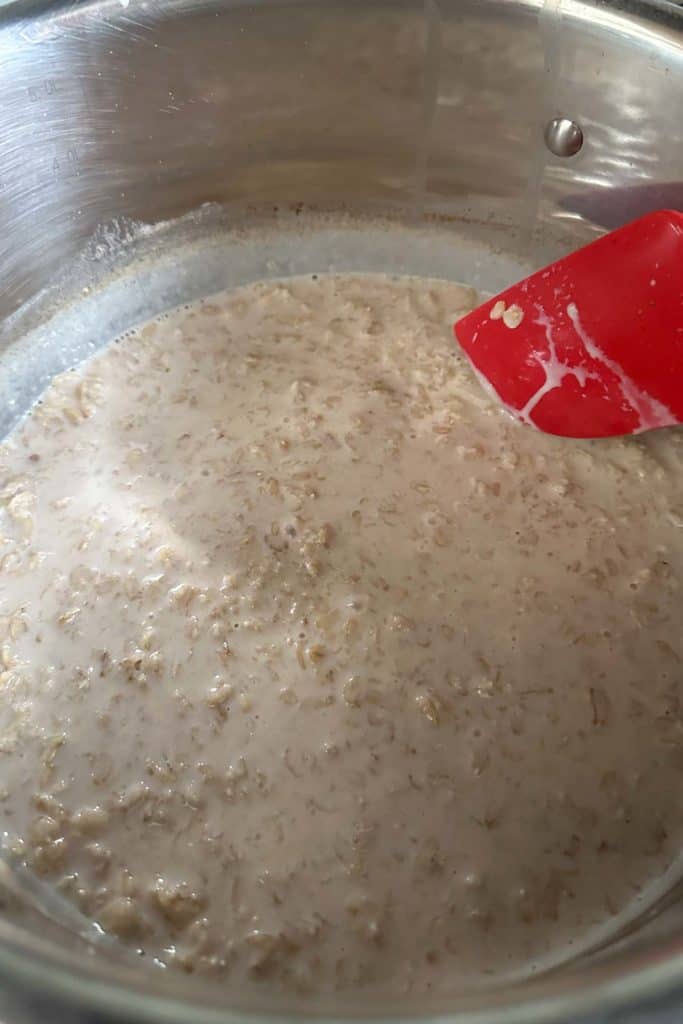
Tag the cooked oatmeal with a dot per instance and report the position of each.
(320, 672)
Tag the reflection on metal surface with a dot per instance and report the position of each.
(616, 206)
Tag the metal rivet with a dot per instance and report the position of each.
(563, 137)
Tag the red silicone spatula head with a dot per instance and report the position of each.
(592, 346)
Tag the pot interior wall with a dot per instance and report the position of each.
(146, 110)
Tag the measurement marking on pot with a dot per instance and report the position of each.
(86, 97)
(63, 163)
(41, 90)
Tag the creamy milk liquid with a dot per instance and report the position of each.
(320, 673)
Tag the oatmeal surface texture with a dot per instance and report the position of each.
(321, 673)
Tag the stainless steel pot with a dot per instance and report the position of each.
(433, 114)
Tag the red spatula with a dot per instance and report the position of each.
(592, 346)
